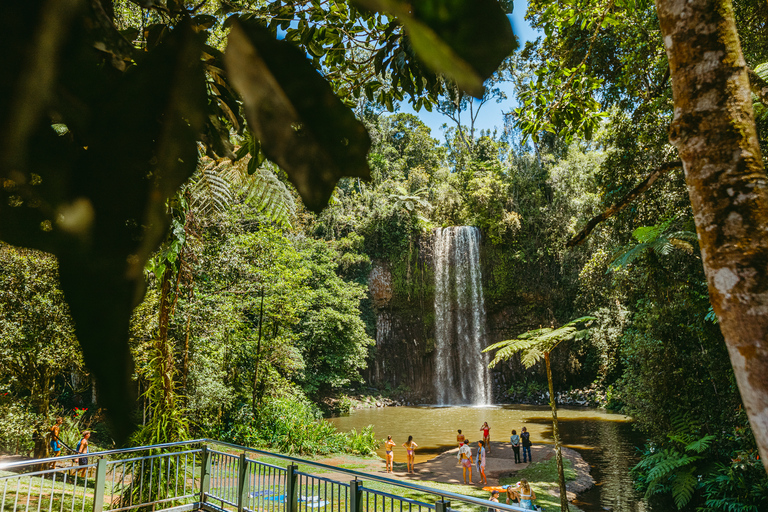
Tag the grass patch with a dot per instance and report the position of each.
(543, 479)
(353, 466)
(424, 497)
(546, 471)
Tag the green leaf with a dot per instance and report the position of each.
(465, 40)
(293, 111)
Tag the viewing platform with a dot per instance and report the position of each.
(213, 476)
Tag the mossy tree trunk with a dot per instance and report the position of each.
(714, 131)
(556, 435)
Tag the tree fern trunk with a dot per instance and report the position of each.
(556, 435)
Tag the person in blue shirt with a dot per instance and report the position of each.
(481, 462)
(515, 440)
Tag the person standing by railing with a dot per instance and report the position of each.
(55, 443)
(82, 448)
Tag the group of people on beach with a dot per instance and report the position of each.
(484, 447)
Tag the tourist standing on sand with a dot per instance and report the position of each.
(460, 439)
(515, 440)
(465, 456)
(526, 439)
(481, 462)
(389, 445)
(410, 451)
(526, 495)
(486, 435)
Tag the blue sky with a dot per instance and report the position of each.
(491, 114)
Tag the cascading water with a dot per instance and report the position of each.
(461, 369)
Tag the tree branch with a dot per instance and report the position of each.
(758, 86)
(623, 202)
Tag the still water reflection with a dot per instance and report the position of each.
(606, 441)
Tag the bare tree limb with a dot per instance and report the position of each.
(623, 202)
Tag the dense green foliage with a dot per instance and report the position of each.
(256, 309)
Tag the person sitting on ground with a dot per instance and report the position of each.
(465, 456)
(526, 495)
(512, 497)
(494, 497)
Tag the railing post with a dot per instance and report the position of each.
(291, 489)
(355, 495)
(205, 474)
(98, 485)
(442, 506)
(242, 484)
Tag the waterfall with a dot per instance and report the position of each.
(461, 369)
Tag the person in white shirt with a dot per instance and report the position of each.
(465, 456)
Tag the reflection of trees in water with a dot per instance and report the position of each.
(609, 449)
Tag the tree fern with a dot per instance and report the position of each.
(216, 186)
(676, 468)
(654, 239)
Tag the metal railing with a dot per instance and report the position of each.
(193, 475)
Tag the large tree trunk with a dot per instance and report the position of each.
(714, 131)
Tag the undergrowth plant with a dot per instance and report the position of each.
(678, 466)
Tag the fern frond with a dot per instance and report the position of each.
(665, 467)
(647, 234)
(627, 255)
(683, 486)
(506, 349)
(211, 190)
(532, 356)
(700, 445)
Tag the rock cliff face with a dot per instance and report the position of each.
(402, 291)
